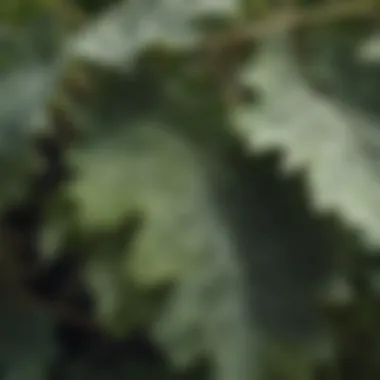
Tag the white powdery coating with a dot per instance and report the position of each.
(328, 140)
(118, 37)
(182, 240)
(209, 312)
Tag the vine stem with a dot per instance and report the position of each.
(290, 18)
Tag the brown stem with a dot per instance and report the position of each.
(292, 18)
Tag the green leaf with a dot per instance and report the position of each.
(118, 37)
(336, 145)
(28, 347)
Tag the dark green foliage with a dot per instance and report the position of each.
(162, 212)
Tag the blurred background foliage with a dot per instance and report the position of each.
(68, 85)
